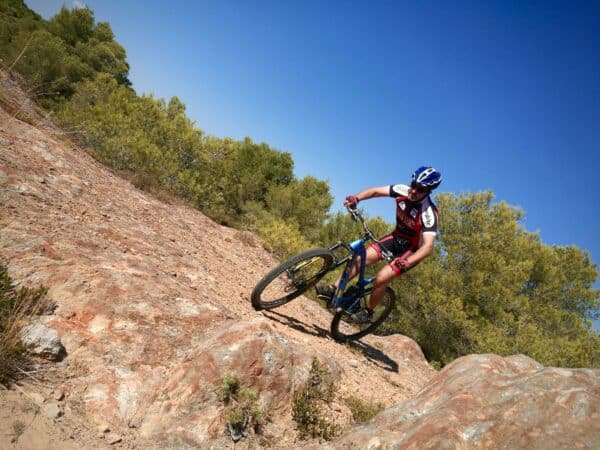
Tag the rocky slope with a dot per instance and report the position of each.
(153, 310)
(485, 401)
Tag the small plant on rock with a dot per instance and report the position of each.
(363, 411)
(243, 410)
(307, 408)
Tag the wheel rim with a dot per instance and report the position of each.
(347, 328)
(296, 278)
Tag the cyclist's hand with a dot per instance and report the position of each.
(402, 264)
(351, 201)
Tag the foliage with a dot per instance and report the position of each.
(17, 306)
(304, 202)
(307, 407)
(54, 55)
(363, 411)
(243, 410)
(228, 180)
(283, 238)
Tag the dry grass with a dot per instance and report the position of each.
(15, 111)
(147, 182)
(17, 307)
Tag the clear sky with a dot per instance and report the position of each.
(497, 95)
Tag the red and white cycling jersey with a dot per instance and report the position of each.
(413, 219)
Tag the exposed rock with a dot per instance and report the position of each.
(60, 393)
(113, 438)
(52, 409)
(102, 430)
(36, 398)
(489, 402)
(43, 341)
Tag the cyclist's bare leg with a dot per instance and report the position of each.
(383, 278)
(371, 257)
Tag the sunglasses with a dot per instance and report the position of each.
(419, 189)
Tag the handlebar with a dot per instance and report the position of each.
(357, 216)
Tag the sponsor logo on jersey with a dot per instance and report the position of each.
(413, 213)
(428, 218)
(402, 205)
(400, 189)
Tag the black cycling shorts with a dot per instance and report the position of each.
(397, 245)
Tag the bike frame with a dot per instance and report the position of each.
(352, 302)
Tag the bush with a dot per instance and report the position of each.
(17, 306)
(307, 408)
(283, 238)
(363, 411)
(243, 410)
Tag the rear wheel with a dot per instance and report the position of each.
(344, 329)
(291, 278)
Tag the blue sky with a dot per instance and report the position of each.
(497, 95)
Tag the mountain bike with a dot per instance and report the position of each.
(301, 272)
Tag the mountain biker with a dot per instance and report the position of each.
(411, 241)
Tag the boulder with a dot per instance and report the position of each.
(43, 341)
(490, 402)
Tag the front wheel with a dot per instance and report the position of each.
(343, 329)
(291, 278)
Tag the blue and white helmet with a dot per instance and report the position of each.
(426, 178)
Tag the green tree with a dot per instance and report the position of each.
(54, 55)
(305, 201)
(491, 286)
(15, 17)
(72, 25)
(246, 173)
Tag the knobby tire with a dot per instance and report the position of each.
(342, 336)
(319, 259)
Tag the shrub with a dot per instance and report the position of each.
(243, 410)
(283, 238)
(307, 408)
(363, 411)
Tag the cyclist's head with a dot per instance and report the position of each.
(425, 179)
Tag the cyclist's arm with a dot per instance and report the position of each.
(424, 250)
(382, 191)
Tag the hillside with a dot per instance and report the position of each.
(153, 310)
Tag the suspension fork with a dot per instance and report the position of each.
(356, 250)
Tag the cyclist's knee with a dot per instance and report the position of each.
(372, 256)
(385, 276)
